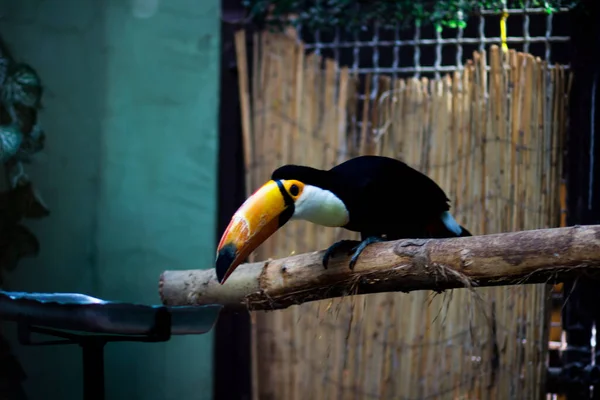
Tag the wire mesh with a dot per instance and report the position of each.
(429, 52)
(426, 51)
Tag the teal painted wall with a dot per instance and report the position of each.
(129, 173)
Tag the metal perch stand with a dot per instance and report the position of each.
(92, 323)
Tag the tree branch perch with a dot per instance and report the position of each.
(545, 255)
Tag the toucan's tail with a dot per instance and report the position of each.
(464, 232)
(452, 228)
(446, 227)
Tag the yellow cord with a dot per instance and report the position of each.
(503, 31)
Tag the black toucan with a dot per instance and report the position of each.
(380, 197)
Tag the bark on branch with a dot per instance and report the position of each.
(545, 255)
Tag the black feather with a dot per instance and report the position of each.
(384, 196)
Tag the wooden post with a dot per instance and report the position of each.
(232, 353)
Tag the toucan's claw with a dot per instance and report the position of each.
(359, 249)
(351, 245)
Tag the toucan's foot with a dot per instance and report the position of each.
(350, 245)
(359, 249)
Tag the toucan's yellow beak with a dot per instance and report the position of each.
(254, 222)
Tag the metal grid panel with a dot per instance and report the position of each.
(481, 31)
(427, 52)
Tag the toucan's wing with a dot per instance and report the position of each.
(392, 179)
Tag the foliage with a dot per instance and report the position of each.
(354, 15)
(21, 136)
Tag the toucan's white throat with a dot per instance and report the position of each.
(320, 207)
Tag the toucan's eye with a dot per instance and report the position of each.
(294, 190)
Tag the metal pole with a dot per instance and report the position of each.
(93, 368)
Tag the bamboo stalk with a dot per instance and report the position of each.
(244, 89)
(330, 116)
(300, 378)
(365, 134)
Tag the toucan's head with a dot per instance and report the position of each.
(294, 192)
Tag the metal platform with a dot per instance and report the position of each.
(92, 323)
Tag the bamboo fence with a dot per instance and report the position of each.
(491, 136)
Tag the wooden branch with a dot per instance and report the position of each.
(546, 255)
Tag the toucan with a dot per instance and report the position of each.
(382, 198)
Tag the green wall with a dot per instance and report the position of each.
(129, 173)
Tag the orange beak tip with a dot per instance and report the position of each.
(225, 258)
